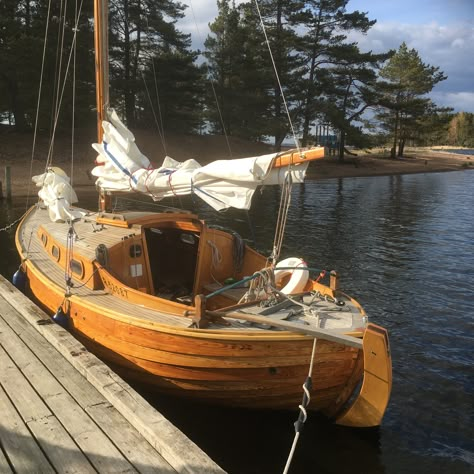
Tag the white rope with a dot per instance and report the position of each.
(303, 414)
(216, 255)
(292, 452)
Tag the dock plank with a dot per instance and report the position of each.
(4, 465)
(145, 423)
(53, 439)
(137, 450)
(95, 445)
(16, 440)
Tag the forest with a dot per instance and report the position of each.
(314, 74)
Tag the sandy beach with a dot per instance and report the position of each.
(16, 152)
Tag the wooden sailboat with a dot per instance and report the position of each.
(150, 294)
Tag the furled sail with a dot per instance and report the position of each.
(221, 184)
(57, 195)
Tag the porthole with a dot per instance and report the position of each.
(44, 239)
(55, 252)
(77, 268)
(135, 251)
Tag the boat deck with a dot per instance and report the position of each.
(324, 314)
(54, 419)
(87, 241)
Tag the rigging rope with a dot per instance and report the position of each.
(40, 88)
(299, 423)
(76, 20)
(285, 201)
(221, 118)
(56, 118)
(278, 78)
(159, 125)
(161, 132)
(69, 256)
(286, 188)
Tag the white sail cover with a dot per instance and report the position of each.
(222, 184)
(57, 194)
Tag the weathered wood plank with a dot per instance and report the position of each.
(22, 450)
(133, 446)
(100, 451)
(4, 466)
(54, 440)
(176, 448)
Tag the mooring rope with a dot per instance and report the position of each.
(299, 423)
(12, 224)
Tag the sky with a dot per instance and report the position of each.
(442, 31)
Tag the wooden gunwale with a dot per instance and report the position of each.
(229, 365)
(177, 386)
(243, 334)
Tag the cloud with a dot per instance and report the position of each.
(447, 44)
(459, 101)
(448, 47)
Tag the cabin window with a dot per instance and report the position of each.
(55, 252)
(77, 268)
(44, 239)
(136, 270)
(135, 251)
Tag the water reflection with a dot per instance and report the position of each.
(404, 246)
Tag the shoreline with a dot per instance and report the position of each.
(379, 164)
(15, 152)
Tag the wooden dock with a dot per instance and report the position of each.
(63, 410)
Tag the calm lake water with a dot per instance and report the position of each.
(463, 151)
(404, 246)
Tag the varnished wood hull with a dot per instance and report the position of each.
(255, 369)
(231, 369)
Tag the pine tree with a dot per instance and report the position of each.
(173, 93)
(22, 34)
(323, 44)
(224, 54)
(407, 80)
(351, 88)
(140, 30)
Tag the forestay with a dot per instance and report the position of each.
(221, 184)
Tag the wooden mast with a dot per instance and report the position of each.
(101, 77)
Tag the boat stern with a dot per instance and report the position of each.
(368, 408)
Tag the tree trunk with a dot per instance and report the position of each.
(395, 137)
(342, 144)
(401, 147)
(16, 104)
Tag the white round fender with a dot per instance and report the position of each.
(298, 278)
